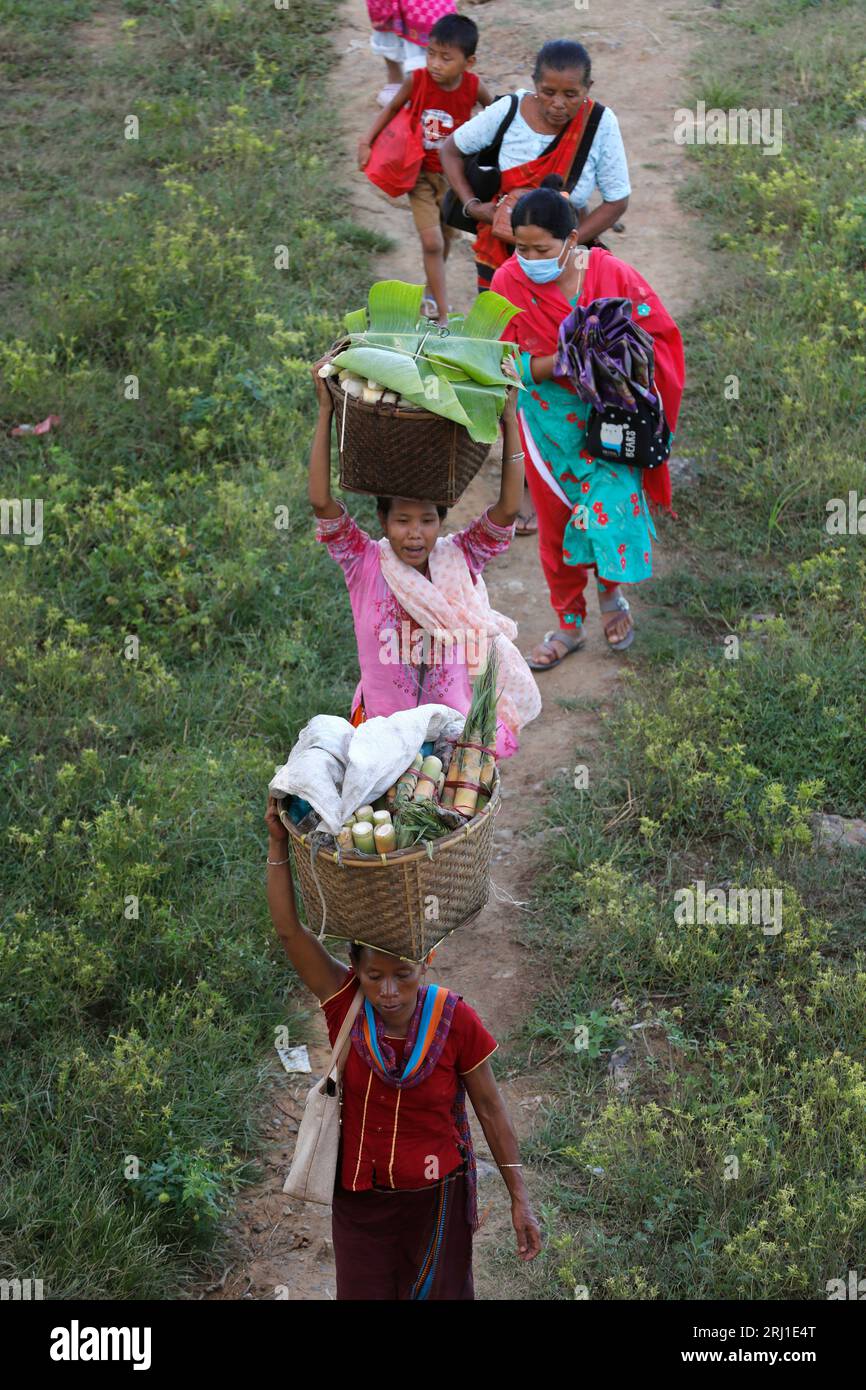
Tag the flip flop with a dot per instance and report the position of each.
(527, 529)
(616, 605)
(571, 640)
(430, 309)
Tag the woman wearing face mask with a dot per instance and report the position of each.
(555, 130)
(546, 277)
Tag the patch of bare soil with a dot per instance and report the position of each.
(101, 32)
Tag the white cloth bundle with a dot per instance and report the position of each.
(338, 768)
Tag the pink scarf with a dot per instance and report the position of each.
(452, 603)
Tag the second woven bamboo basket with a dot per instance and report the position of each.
(404, 902)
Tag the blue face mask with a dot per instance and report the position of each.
(543, 271)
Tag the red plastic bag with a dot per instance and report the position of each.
(398, 152)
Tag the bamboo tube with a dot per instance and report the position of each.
(488, 768)
(446, 797)
(407, 781)
(428, 780)
(385, 837)
(362, 834)
(391, 797)
(466, 798)
(364, 813)
(345, 839)
(381, 818)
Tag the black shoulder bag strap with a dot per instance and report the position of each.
(584, 147)
(493, 150)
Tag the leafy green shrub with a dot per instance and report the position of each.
(188, 1187)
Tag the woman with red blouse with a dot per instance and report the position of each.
(404, 1208)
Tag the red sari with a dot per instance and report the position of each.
(490, 252)
(564, 475)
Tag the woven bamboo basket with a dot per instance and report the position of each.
(404, 902)
(392, 451)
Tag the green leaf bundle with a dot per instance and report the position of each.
(420, 820)
(454, 372)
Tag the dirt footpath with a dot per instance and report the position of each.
(639, 53)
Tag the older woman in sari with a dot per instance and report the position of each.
(545, 136)
(592, 515)
(557, 129)
(404, 1206)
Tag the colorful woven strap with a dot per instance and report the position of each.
(425, 1040)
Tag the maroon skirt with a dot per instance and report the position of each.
(403, 1245)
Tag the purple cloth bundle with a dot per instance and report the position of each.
(606, 356)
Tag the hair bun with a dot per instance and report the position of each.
(555, 215)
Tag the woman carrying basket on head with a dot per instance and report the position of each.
(422, 615)
(404, 1206)
(557, 129)
(593, 515)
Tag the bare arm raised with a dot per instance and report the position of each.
(505, 509)
(319, 482)
(319, 970)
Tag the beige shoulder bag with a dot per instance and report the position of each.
(314, 1165)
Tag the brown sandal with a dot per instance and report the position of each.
(572, 640)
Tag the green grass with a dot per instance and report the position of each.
(140, 981)
(733, 1165)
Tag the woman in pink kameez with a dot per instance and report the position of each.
(423, 621)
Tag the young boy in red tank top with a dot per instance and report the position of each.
(447, 91)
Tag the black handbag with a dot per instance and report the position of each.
(482, 175)
(629, 436)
